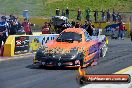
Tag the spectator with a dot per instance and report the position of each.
(121, 30)
(85, 26)
(119, 18)
(103, 15)
(79, 14)
(67, 12)
(108, 15)
(12, 17)
(19, 26)
(73, 23)
(96, 15)
(87, 14)
(90, 28)
(63, 13)
(3, 30)
(45, 28)
(77, 25)
(13, 26)
(27, 26)
(57, 12)
(114, 16)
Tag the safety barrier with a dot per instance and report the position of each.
(103, 25)
(22, 44)
(36, 20)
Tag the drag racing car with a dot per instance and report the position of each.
(74, 47)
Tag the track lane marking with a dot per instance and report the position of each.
(16, 57)
(124, 70)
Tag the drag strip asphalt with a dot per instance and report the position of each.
(20, 73)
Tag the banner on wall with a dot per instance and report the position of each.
(25, 44)
(21, 44)
(36, 41)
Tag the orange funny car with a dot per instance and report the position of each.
(74, 47)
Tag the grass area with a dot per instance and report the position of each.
(47, 8)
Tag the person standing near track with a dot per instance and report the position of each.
(27, 26)
(57, 12)
(90, 28)
(114, 16)
(96, 15)
(103, 15)
(63, 13)
(67, 12)
(13, 26)
(79, 13)
(88, 14)
(77, 25)
(121, 30)
(45, 28)
(108, 15)
(3, 31)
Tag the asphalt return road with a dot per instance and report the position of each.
(20, 73)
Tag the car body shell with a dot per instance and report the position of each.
(88, 51)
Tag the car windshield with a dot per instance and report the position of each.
(69, 36)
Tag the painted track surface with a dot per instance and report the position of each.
(20, 73)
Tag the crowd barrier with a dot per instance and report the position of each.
(103, 25)
(22, 44)
(36, 20)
